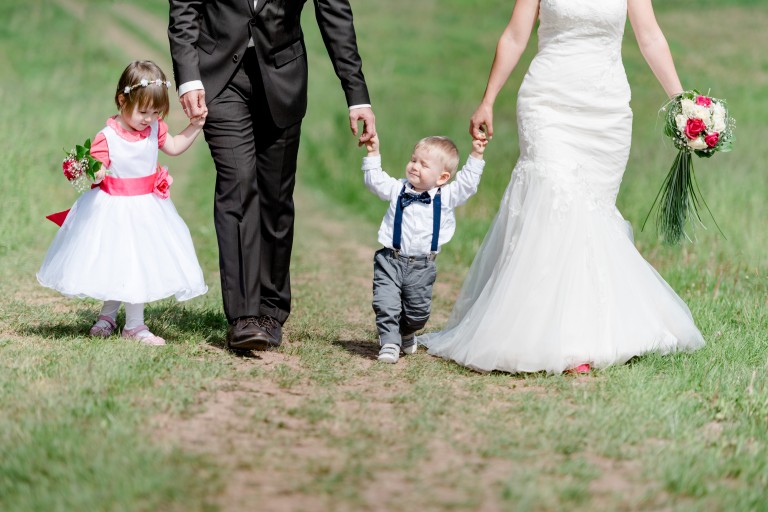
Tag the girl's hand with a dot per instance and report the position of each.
(478, 148)
(372, 145)
(197, 120)
(99, 175)
(481, 123)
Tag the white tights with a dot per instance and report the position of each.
(134, 313)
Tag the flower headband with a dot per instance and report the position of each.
(144, 83)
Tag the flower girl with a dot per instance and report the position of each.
(123, 241)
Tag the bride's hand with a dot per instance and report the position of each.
(481, 123)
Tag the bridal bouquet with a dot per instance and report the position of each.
(699, 125)
(80, 167)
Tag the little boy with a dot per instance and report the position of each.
(419, 220)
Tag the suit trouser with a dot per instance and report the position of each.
(253, 206)
(402, 294)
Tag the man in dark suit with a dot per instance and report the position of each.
(243, 63)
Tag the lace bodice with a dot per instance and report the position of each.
(574, 22)
(578, 64)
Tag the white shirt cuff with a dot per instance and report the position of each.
(475, 165)
(362, 105)
(371, 162)
(194, 85)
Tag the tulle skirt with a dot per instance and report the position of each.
(127, 248)
(558, 281)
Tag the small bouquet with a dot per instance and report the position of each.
(699, 125)
(80, 167)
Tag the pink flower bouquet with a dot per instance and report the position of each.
(80, 167)
(699, 125)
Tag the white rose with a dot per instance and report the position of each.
(144, 82)
(703, 113)
(681, 121)
(697, 143)
(688, 107)
(718, 123)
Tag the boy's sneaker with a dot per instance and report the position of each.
(409, 344)
(389, 353)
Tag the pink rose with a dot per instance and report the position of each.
(163, 182)
(693, 128)
(704, 101)
(711, 139)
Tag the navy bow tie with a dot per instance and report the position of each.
(407, 199)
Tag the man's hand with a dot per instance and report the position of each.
(364, 114)
(481, 123)
(193, 103)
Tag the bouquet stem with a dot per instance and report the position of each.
(679, 200)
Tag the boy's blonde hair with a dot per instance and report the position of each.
(445, 147)
(154, 95)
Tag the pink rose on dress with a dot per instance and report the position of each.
(693, 128)
(163, 182)
(704, 101)
(711, 139)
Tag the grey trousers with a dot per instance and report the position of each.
(402, 294)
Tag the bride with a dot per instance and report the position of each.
(558, 284)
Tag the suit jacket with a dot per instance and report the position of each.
(209, 37)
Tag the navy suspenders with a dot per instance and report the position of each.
(398, 227)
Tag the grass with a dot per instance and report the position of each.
(103, 425)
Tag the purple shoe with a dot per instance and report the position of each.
(103, 331)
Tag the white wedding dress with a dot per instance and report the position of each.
(558, 281)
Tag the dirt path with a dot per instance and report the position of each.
(332, 267)
(286, 430)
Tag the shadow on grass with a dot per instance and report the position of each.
(361, 348)
(76, 325)
(178, 323)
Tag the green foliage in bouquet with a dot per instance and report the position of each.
(80, 167)
(89, 165)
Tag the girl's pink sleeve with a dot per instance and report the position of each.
(100, 149)
(162, 131)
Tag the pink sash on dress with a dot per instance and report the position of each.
(158, 183)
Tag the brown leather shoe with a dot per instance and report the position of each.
(245, 333)
(273, 328)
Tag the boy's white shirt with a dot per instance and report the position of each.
(416, 237)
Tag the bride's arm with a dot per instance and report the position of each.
(653, 45)
(510, 47)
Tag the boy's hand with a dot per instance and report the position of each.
(478, 148)
(372, 145)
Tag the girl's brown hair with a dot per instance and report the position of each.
(150, 96)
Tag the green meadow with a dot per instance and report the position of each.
(317, 425)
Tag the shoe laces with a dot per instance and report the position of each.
(267, 321)
(243, 321)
